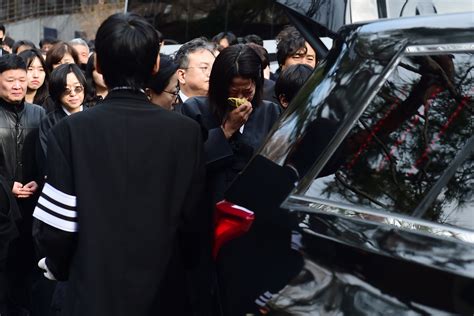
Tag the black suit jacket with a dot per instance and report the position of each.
(119, 204)
(225, 158)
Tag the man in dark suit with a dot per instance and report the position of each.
(195, 59)
(123, 182)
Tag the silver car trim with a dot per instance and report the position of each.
(438, 48)
(315, 205)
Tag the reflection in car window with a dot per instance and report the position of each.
(406, 140)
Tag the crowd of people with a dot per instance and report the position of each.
(112, 157)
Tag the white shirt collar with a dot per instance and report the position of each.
(69, 113)
(182, 96)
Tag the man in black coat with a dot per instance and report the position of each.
(119, 206)
(19, 123)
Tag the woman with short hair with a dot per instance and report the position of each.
(163, 88)
(61, 53)
(67, 88)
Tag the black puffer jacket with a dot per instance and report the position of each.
(18, 140)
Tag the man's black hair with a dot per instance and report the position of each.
(8, 41)
(58, 81)
(194, 45)
(48, 40)
(127, 47)
(231, 38)
(289, 41)
(253, 38)
(2, 28)
(291, 80)
(11, 62)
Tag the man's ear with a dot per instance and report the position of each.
(157, 65)
(97, 66)
(181, 76)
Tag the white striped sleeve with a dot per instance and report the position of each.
(57, 209)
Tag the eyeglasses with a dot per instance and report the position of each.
(205, 69)
(76, 90)
(175, 92)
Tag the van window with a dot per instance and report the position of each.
(411, 150)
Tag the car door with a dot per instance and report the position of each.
(376, 151)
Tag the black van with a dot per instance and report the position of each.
(370, 171)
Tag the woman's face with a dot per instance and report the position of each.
(67, 59)
(169, 96)
(242, 88)
(98, 79)
(35, 74)
(73, 95)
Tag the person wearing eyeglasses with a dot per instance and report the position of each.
(163, 88)
(67, 88)
(195, 59)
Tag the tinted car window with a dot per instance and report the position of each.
(410, 152)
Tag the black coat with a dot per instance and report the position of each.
(51, 119)
(225, 158)
(269, 91)
(18, 140)
(9, 213)
(120, 205)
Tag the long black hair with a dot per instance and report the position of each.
(238, 60)
(29, 56)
